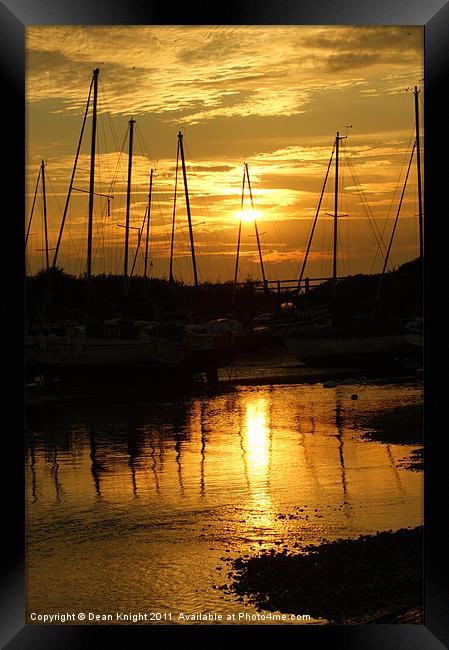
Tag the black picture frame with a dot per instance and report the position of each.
(434, 16)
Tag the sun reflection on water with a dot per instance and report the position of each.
(257, 451)
(257, 438)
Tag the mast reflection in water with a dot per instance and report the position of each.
(132, 506)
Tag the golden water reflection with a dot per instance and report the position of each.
(256, 447)
(165, 489)
(257, 440)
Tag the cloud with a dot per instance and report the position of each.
(351, 60)
(192, 74)
(356, 47)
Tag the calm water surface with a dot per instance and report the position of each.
(131, 507)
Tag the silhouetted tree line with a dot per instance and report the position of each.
(400, 296)
(55, 295)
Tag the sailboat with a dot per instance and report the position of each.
(210, 348)
(116, 349)
(246, 334)
(358, 340)
(287, 319)
(362, 338)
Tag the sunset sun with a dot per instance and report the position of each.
(248, 215)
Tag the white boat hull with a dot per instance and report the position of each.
(107, 352)
(97, 351)
(90, 358)
(310, 349)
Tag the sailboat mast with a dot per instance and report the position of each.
(255, 227)
(32, 207)
(139, 239)
(44, 198)
(192, 247)
(387, 256)
(148, 225)
(128, 196)
(92, 174)
(240, 228)
(238, 240)
(334, 269)
(69, 193)
(418, 162)
(301, 275)
(172, 242)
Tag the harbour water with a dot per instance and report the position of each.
(133, 506)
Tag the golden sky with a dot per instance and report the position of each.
(271, 96)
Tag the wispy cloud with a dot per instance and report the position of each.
(206, 72)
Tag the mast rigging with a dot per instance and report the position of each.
(186, 189)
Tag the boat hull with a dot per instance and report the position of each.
(110, 361)
(415, 341)
(337, 350)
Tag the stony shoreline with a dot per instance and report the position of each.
(371, 579)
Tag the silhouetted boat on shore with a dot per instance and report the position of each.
(364, 340)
